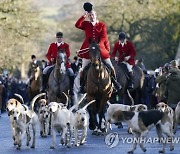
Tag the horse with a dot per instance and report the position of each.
(99, 88)
(126, 96)
(35, 84)
(58, 81)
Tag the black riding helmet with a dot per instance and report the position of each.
(87, 6)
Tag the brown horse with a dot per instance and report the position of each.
(35, 81)
(58, 81)
(98, 87)
(122, 77)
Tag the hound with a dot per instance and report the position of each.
(44, 119)
(138, 108)
(12, 104)
(61, 121)
(110, 111)
(81, 122)
(141, 122)
(161, 106)
(22, 120)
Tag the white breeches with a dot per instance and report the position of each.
(47, 68)
(129, 67)
(85, 62)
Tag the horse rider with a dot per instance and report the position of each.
(34, 63)
(94, 30)
(51, 56)
(127, 54)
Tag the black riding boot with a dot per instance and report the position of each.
(131, 81)
(82, 83)
(44, 83)
(117, 85)
(71, 79)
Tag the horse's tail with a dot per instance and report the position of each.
(67, 99)
(76, 105)
(108, 103)
(88, 104)
(21, 98)
(132, 100)
(34, 100)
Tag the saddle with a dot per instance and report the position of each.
(125, 70)
(83, 77)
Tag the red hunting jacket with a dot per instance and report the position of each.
(53, 50)
(126, 50)
(95, 33)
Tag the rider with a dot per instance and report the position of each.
(95, 30)
(126, 53)
(51, 56)
(34, 63)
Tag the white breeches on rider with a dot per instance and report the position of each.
(85, 62)
(46, 69)
(129, 67)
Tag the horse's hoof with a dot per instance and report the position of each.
(130, 152)
(32, 146)
(52, 147)
(161, 151)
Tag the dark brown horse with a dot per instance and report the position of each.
(98, 87)
(35, 81)
(122, 78)
(58, 81)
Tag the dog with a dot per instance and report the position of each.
(42, 103)
(141, 122)
(22, 120)
(177, 115)
(44, 119)
(61, 120)
(168, 110)
(110, 111)
(138, 108)
(81, 122)
(12, 104)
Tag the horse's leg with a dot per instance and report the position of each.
(92, 116)
(102, 110)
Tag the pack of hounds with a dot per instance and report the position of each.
(57, 117)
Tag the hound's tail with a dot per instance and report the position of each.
(88, 104)
(20, 97)
(34, 100)
(67, 99)
(132, 100)
(76, 105)
(108, 103)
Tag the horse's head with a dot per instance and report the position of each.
(94, 52)
(36, 71)
(61, 60)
